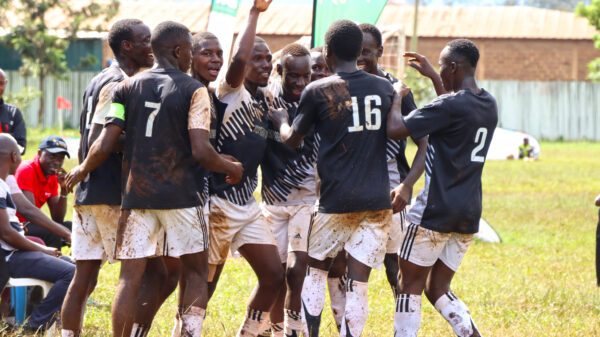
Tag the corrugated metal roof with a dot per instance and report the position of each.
(434, 21)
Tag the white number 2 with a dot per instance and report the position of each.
(88, 115)
(370, 112)
(480, 137)
(150, 123)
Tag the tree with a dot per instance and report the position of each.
(592, 13)
(41, 47)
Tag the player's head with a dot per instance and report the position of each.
(319, 66)
(10, 154)
(343, 42)
(294, 69)
(259, 67)
(458, 60)
(525, 141)
(172, 42)
(130, 38)
(207, 57)
(3, 82)
(372, 48)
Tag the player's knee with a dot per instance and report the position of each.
(294, 276)
(273, 278)
(433, 291)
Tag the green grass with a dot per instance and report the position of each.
(539, 282)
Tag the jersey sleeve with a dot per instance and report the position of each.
(3, 197)
(104, 103)
(224, 88)
(429, 119)
(200, 110)
(26, 178)
(116, 113)
(307, 112)
(19, 131)
(12, 185)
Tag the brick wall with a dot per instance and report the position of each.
(525, 60)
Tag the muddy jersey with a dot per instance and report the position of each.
(242, 134)
(349, 112)
(217, 110)
(156, 109)
(103, 185)
(288, 175)
(460, 128)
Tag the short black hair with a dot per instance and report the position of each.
(344, 39)
(374, 31)
(121, 31)
(464, 48)
(202, 36)
(294, 49)
(318, 49)
(168, 34)
(258, 39)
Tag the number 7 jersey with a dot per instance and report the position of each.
(460, 128)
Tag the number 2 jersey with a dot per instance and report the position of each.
(156, 109)
(460, 128)
(349, 112)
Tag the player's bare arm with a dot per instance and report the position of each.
(401, 194)
(99, 152)
(18, 241)
(205, 154)
(424, 67)
(396, 129)
(244, 45)
(597, 201)
(38, 218)
(280, 120)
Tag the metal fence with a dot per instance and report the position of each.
(546, 110)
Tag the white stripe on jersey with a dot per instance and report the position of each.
(416, 212)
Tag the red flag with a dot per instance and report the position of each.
(63, 103)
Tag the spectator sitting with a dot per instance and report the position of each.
(39, 178)
(526, 150)
(11, 119)
(25, 258)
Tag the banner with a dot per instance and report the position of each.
(221, 22)
(325, 12)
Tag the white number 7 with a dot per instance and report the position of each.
(150, 123)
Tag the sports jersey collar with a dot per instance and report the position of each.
(38, 169)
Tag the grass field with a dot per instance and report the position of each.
(539, 282)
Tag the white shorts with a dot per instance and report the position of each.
(161, 232)
(424, 247)
(94, 232)
(289, 225)
(362, 234)
(232, 226)
(395, 238)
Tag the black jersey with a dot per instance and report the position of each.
(242, 134)
(156, 109)
(349, 112)
(288, 175)
(460, 128)
(103, 185)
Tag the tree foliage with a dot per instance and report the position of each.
(42, 48)
(592, 13)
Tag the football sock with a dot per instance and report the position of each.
(356, 310)
(457, 314)
(176, 332)
(67, 333)
(337, 295)
(292, 323)
(139, 330)
(407, 319)
(277, 329)
(252, 322)
(191, 321)
(313, 299)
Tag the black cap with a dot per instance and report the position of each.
(54, 144)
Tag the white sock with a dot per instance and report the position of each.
(277, 329)
(67, 333)
(337, 295)
(191, 321)
(176, 332)
(313, 299)
(356, 310)
(457, 314)
(139, 330)
(292, 323)
(407, 319)
(252, 323)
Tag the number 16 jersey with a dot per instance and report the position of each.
(460, 128)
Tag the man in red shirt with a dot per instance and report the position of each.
(39, 178)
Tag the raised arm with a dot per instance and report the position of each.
(396, 129)
(422, 65)
(244, 44)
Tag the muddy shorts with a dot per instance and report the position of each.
(424, 247)
(362, 234)
(289, 225)
(94, 232)
(161, 232)
(395, 237)
(232, 226)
